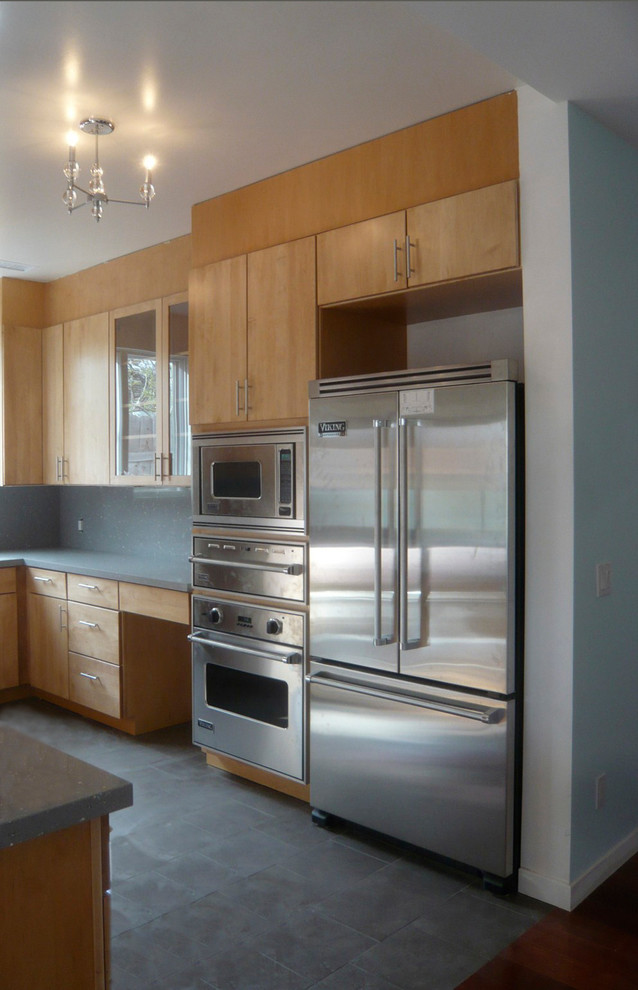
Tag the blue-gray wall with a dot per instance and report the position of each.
(604, 230)
(116, 520)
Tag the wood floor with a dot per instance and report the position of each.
(594, 947)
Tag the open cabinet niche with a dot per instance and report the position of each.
(470, 339)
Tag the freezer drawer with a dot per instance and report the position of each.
(432, 768)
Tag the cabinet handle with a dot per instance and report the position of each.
(91, 677)
(91, 587)
(59, 473)
(238, 407)
(158, 474)
(65, 473)
(168, 458)
(396, 260)
(247, 387)
(91, 625)
(44, 580)
(62, 612)
(409, 270)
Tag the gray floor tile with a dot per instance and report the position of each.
(220, 884)
(215, 922)
(311, 945)
(481, 926)
(333, 866)
(378, 905)
(242, 968)
(415, 960)
(352, 978)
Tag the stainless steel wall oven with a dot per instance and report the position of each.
(248, 684)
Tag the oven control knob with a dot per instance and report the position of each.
(215, 615)
(274, 627)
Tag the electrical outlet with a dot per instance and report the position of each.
(80, 525)
(603, 580)
(600, 791)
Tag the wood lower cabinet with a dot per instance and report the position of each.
(48, 644)
(125, 662)
(54, 900)
(462, 236)
(253, 336)
(9, 671)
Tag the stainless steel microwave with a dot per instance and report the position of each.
(250, 480)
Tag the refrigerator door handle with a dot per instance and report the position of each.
(379, 638)
(489, 716)
(404, 501)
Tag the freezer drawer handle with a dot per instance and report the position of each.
(293, 569)
(488, 715)
(289, 658)
(405, 643)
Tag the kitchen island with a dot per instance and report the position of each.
(54, 866)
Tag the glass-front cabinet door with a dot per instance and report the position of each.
(177, 443)
(149, 393)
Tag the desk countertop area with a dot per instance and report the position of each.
(43, 790)
(155, 571)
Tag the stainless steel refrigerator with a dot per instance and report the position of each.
(415, 624)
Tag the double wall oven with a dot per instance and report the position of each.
(249, 577)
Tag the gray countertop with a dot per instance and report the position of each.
(43, 790)
(159, 572)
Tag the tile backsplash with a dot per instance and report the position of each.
(155, 522)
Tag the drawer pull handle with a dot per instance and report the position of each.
(91, 625)
(91, 587)
(91, 677)
(44, 580)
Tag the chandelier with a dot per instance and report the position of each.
(96, 193)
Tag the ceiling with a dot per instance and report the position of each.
(227, 93)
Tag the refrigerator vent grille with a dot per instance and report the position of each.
(446, 375)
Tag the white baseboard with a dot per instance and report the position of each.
(567, 896)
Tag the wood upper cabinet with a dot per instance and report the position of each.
(281, 330)
(469, 234)
(20, 406)
(53, 405)
(217, 326)
(252, 334)
(85, 402)
(149, 393)
(362, 259)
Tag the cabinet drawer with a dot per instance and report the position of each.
(42, 582)
(7, 580)
(92, 591)
(158, 603)
(94, 632)
(95, 684)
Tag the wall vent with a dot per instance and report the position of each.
(15, 266)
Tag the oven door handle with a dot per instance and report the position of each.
(289, 658)
(293, 569)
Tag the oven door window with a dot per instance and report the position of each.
(263, 699)
(235, 479)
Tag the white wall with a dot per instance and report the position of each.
(546, 258)
(473, 339)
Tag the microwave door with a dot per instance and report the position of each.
(238, 482)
